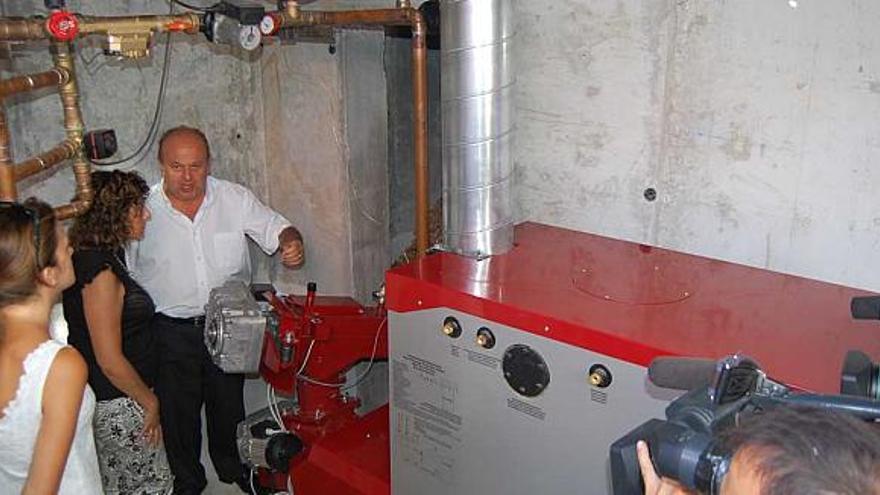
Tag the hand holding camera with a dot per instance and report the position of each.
(695, 450)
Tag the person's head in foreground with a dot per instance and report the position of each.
(791, 451)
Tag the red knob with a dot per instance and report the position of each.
(62, 25)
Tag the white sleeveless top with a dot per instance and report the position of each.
(21, 422)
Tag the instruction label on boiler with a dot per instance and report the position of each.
(428, 425)
(491, 362)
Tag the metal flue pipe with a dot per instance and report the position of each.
(477, 81)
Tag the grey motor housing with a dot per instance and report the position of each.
(234, 328)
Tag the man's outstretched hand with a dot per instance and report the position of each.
(290, 244)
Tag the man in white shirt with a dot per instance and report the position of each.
(194, 243)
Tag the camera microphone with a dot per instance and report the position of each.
(865, 308)
(681, 373)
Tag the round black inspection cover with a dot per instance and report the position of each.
(525, 370)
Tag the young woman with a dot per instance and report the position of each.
(46, 441)
(109, 316)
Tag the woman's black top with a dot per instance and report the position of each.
(138, 344)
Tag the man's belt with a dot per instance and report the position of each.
(195, 321)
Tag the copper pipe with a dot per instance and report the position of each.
(188, 23)
(22, 29)
(291, 9)
(21, 84)
(7, 173)
(73, 128)
(420, 130)
(293, 16)
(67, 149)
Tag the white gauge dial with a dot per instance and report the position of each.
(249, 37)
(267, 25)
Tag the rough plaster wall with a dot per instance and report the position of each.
(586, 110)
(222, 91)
(366, 124)
(755, 121)
(306, 153)
(209, 86)
(325, 138)
(326, 120)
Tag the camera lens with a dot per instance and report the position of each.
(677, 452)
(860, 376)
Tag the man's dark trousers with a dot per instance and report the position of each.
(187, 379)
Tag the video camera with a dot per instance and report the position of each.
(685, 446)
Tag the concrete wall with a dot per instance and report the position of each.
(304, 128)
(209, 86)
(366, 124)
(755, 121)
(324, 123)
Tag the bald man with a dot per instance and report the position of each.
(194, 243)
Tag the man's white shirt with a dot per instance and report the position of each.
(180, 260)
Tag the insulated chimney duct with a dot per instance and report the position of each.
(476, 91)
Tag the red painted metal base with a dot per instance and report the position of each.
(353, 460)
(318, 339)
(621, 299)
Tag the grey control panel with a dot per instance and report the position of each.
(482, 408)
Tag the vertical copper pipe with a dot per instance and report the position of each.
(7, 173)
(420, 129)
(73, 128)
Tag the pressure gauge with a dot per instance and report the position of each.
(268, 25)
(249, 37)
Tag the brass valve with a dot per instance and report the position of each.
(129, 45)
(485, 338)
(451, 327)
(599, 376)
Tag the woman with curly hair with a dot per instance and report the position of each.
(46, 441)
(109, 316)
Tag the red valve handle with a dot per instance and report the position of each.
(62, 25)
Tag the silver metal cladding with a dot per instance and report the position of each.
(477, 82)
